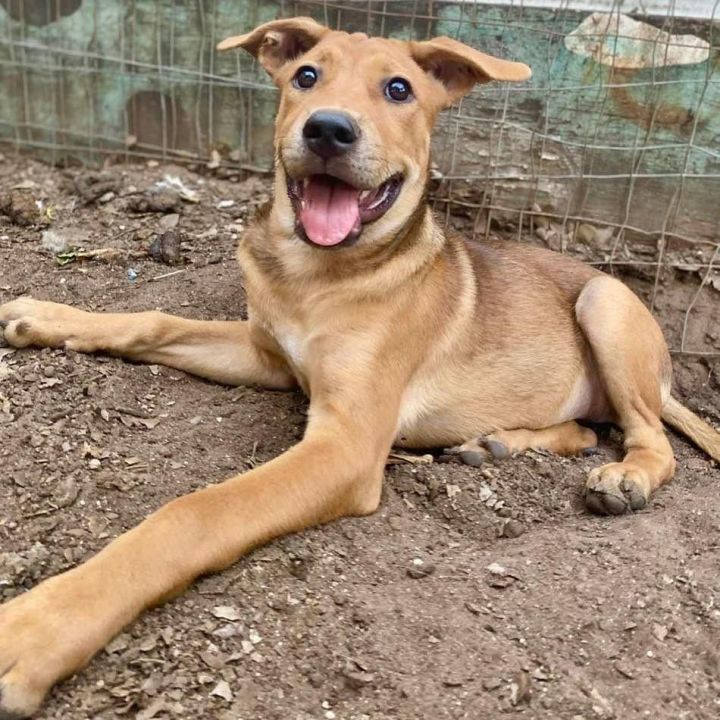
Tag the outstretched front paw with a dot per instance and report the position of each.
(27, 322)
(46, 634)
(616, 488)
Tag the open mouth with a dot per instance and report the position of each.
(330, 212)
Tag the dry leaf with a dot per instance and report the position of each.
(222, 689)
(226, 612)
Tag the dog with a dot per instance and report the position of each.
(399, 333)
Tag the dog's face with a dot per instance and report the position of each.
(353, 127)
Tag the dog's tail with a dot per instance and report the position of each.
(678, 417)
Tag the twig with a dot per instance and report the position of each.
(167, 275)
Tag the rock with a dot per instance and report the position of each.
(453, 681)
(21, 207)
(500, 577)
(485, 493)
(118, 644)
(355, 677)
(66, 492)
(164, 200)
(417, 571)
(513, 529)
(168, 222)
(226, 631)
(166, 248)
(624, 668)
(214, 660)
(247, 647)
(586, 233)
(92, 186)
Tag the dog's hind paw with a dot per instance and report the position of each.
(479, 450)
(615, 489)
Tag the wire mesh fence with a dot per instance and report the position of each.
(611, 151)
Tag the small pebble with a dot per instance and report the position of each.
(513, 529)
(420, 571)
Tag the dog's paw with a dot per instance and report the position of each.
(479, 450)
(22, 643)
(26, 322)
(615, 489)
(46, 634)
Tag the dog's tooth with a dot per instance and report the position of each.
(381, 199)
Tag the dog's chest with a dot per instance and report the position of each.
(293, 341)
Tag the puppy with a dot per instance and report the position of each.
(398, 332)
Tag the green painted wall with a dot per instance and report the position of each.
(141, 77)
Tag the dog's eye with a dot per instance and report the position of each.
(398, 90)
(305, 77)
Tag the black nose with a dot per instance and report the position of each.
(329, 133)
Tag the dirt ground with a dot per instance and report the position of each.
(473, 593)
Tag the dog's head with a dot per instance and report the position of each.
(353, 128)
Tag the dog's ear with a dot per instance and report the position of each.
(277, 42)
(459, 67)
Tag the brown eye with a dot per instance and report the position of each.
(305, 77)
(398, 90)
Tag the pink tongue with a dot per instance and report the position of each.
(329, 210)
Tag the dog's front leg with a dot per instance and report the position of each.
(51, 631)
(231, 352)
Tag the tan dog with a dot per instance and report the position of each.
(399, 334)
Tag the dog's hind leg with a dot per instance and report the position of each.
(568, 438)
(231, 352)
(634, 367)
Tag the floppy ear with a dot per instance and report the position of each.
(277, 42)
(459, 67)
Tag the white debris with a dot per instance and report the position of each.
(53, 241)
(496, 569)
(173, 182)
